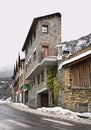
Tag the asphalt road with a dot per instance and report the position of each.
(11, 119)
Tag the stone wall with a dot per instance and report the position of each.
(74, 98)
(52, 38)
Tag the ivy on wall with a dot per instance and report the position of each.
(53, 84)
(51, 74)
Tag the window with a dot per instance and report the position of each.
(83, 107)
(30, 60)
(90, 79)
(38, 79)
(34, 81)
(31, 41)
(45, 28)
(26, 51)
(28, 64)
(42, 76)
(34, 55)
(81, 77)
(26, 67)
(34, 35)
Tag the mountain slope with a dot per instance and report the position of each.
(76, 45)
(6, 72)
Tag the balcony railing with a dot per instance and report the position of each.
(48, 52)
(44, 54)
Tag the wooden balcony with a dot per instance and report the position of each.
(44, 54)
(48, 53)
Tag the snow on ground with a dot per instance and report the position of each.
(2, 102)
(56, 112)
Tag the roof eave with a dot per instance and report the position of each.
(75, 59)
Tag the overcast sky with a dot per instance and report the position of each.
(16, 17)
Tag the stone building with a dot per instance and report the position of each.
(40, 55)
(15, 83)
(75, 75)
(19, 83)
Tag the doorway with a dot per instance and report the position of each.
(44, 100)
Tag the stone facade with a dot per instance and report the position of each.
(75, 93)
(40, 55)
(19, 81)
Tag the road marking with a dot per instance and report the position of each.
(6, 127)
(59, 128)
(59, 122)
(10, 114)
(19, 123)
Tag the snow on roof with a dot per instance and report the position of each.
(74, 59)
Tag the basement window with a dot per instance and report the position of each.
(83, 107)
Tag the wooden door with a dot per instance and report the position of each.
(44, 100)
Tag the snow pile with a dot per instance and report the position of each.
(9, 99)
(2, 102)
(59, 112)
(84, 115)
(56, 112)
(18, 106)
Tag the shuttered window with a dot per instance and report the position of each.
(81, 74)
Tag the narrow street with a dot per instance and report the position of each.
(11, 119)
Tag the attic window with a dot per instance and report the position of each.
(45, 28)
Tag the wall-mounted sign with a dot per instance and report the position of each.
(25, 87)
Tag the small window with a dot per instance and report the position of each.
(26, 51)
(90, 79)
(26, 67)
(31, 41)
(83, 107)
(34, 35)
(28, 64)
(30, 60)
(34, 81)
(45, 28)
(38, 79)
(34, 55)
(42, 76)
